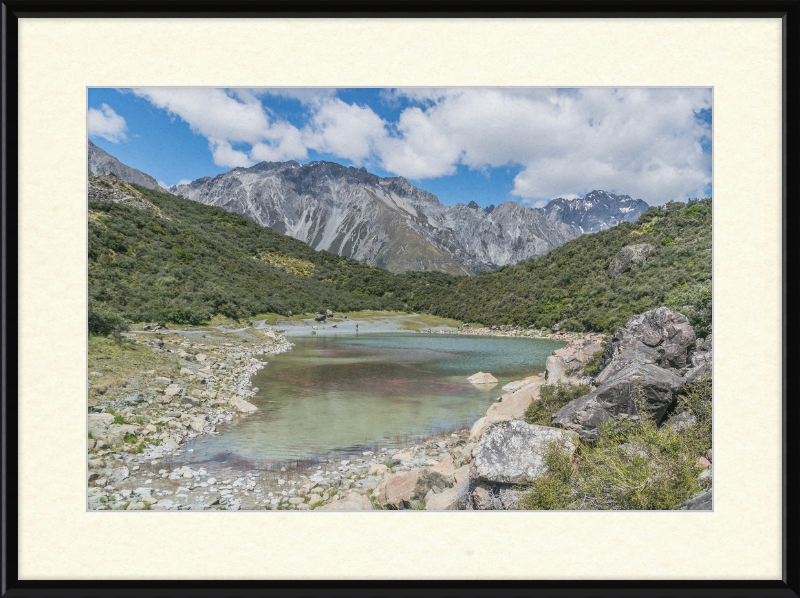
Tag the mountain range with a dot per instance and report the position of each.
(387, 221)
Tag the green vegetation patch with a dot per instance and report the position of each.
(637, 466)
(570, 282)
(187, 263)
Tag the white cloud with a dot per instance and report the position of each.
(106, 123)
(642, 142)
(345, 130)
(181, 182)
(228, 117)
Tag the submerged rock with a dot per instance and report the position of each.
(482, 378)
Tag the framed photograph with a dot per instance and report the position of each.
(378, 302)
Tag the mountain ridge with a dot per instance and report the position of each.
(388, 221)
(100, 162)
(591, 212)
(358, 214)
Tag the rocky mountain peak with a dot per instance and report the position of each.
(595, 211)
(101, 162)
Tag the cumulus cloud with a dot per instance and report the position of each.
(643, 142)
(345, 130)
(227, 118)
(106, 123)
(646, 143)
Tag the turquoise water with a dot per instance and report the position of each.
(339, 395)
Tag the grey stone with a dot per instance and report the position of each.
(483, 499)
(632, 255)
(680, 422)
(702, 501)
(510, 452)
(659, 336)
(646, 388)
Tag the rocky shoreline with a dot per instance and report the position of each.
(479, 469)
(516, 332)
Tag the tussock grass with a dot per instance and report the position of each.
(122, 361)
(633, 466)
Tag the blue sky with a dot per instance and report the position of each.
(489, 145)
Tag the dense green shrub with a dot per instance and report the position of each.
(103, 322)
(693, 301)
(187, 261)
(570, 282)
(592, 365)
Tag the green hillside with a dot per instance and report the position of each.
(183, 261)
(571, 282)
(158, 256)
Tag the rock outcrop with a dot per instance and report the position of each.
(511, 452)
(660, 336)
(627, 258)
(644, 365)
(644, 390)
(101, 162)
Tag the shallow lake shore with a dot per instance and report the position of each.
(138, 453)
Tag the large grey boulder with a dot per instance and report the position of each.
(627, 258)
(659, 336)
(641, 389)
(510, 452)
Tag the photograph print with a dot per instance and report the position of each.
(317, 299)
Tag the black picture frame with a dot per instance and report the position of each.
(12, 10)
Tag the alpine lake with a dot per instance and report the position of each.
(337, 394)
